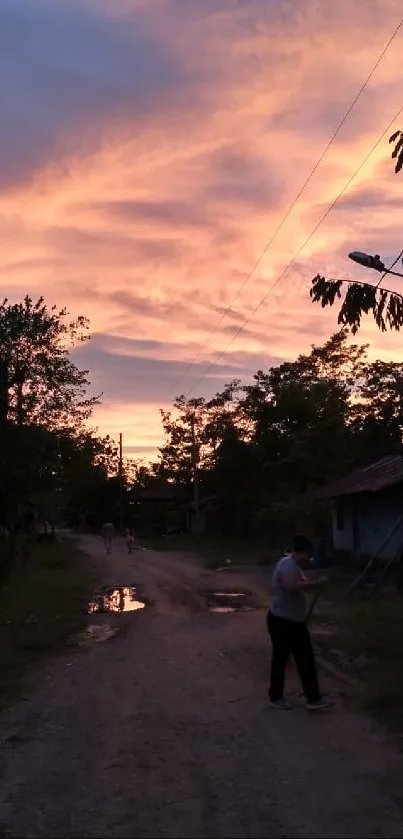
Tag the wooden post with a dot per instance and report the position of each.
(313, 604)
(196, 500)
(120, 483)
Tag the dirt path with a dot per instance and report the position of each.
(164, 731)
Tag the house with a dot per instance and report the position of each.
(367, 509)
(157, 508)
(206, 518)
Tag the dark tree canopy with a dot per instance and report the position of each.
(263, 446)
(39, 383)
(50, 462)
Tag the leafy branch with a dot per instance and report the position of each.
(397, 153)
(362, 298)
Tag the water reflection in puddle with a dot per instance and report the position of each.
(123, 599)
(96, 634)
(229, 594)
(225, 602)
(324, 629)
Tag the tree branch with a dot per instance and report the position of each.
(385, 305)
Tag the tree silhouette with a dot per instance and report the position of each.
(39, 383)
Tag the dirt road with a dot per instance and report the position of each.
(164, 730)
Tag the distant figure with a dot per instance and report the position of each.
(130, 540)
(108, 533)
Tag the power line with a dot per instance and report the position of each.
(385, 273)
(299, 251)
(291, 206)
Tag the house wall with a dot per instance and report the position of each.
(375, 514)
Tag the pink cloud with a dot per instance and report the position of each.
(140, 185)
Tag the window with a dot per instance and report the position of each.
(339, 516)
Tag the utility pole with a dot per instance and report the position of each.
(120, 483)
(195, 459)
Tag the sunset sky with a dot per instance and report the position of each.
(148, 151)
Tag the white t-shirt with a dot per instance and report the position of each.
(290, 605)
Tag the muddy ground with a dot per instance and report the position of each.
(164, 730)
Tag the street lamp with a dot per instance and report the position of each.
(373, 262)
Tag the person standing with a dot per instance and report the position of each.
(108, 533)
(129, 540)
(288, 629)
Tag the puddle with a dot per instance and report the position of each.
(123, 599)
(324, 629)
(229, 594)
(96, 634)
(224, 602)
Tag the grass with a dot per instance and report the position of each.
(41, 607)
(369, 631)
(215, 551)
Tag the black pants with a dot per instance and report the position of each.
(291, 637)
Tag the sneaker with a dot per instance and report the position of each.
(320, 705)
(280, 704)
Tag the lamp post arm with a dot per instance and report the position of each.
(395, 273)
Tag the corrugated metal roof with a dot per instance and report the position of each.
(377, 476)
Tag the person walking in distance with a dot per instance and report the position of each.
(108, 532)
(129, 540)
(288, 629)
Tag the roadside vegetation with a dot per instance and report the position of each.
(256, 451)
(362, 635)
(53, 469)
(216, 551)
(41, 608)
